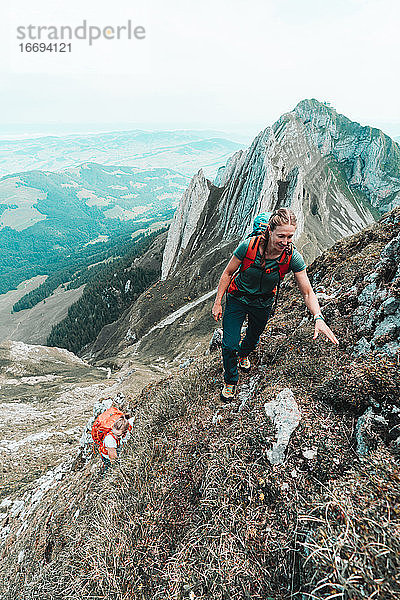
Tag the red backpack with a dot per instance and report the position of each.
(283, 264)
(103, 425)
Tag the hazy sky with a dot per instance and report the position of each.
(233, 65)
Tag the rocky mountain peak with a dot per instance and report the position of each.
(370, 158)
(336, 175)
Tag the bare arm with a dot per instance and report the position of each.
(312, 304)
(112, 454)
(223, 285)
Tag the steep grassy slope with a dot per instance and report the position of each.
(46, 394)
(195, 509)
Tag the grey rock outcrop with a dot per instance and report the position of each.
(285, 415)
(216, 341)
(377, 316)
(368, 426)
(185, 221)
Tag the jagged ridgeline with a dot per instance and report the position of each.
(337, 175)
(196, 508)
(110, 290)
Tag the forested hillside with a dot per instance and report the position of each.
(111, 288)
(86, 265)
(47, 216)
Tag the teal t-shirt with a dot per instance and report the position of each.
(254, 284)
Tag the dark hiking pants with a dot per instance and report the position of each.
(234, 316)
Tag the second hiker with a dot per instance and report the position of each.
(251, 281)
(110, 430)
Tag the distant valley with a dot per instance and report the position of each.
(118, 193)
(184, 151)
(90, 188)
(47, 217)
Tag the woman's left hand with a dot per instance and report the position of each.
(322, 327)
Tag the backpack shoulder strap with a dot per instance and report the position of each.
(283, 265)
(284, 261)
(251, 252)
(117, 439)
(248, 260)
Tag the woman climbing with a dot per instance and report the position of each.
(251, 280)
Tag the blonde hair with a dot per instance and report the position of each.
(122, 424)
(281, 216)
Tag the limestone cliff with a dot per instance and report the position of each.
(370, 159)
(319, 163)
(335, 174)
(185, 220)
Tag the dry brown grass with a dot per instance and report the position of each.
(353, 545)
(196, 507)
(195, 510)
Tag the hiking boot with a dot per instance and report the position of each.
(228, 392)
(244, 364)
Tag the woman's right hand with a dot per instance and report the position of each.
(217, 310)
(223, 285)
